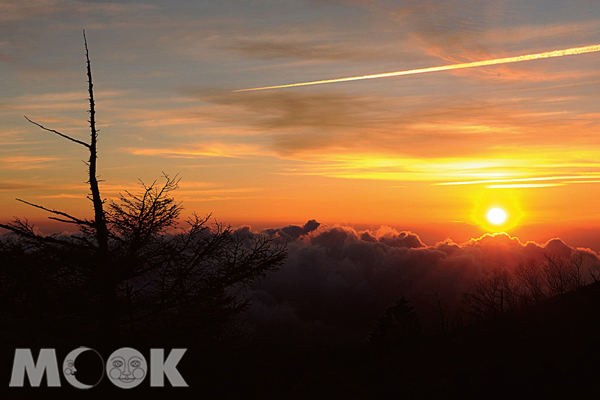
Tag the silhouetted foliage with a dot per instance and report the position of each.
(400, 324)
(492, 295)
(444, 314)
(561, 276)
(529, 283)
(192, 274)
(530, 276)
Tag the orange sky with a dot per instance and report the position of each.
(428, 152)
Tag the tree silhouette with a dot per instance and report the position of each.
(529, 283)
(399, 326)
(444, 314)
(185, 276)
(492, 295)
(562, 275)
(131, 266)
(530, 277)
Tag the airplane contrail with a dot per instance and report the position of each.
(528, 57)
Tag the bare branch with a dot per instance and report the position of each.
(75, 220)
(64, 220)
(58, 133)
(24, 229)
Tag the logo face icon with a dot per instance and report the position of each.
(71, 364)
(126, 367)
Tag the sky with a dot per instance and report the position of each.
(431, 152)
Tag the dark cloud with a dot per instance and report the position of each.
(276, 110)
(293, 232)
(417, 125)
(337, 280)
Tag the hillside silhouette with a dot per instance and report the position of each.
(546, 349)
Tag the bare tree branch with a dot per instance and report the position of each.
(66, 221)
(75, 220)
(58, 133)
(24, 229)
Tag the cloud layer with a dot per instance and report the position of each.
(338, 280)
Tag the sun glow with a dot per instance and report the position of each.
(498, 210)
(496, 216)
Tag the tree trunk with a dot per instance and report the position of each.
(107, 281)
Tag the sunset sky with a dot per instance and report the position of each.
(430, 152)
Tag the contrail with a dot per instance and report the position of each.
(529, 57)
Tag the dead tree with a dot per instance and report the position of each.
(96, 229)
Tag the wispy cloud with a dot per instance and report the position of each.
(56, 102)
(429, 127)
(15, 186)
(497, 183)
(525, 185)
(11, 10)
(27, 162)
(210, 150)
(61, 196)
(296, 49)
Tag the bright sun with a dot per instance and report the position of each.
(496, 216)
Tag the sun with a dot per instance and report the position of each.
(497, 212)
(496, 216)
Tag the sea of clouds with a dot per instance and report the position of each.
(338, 280)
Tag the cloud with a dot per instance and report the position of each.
(451, 25)
(13, 186)
(281, 110)
(27, 26)
(514, 183)
(418, 137)
(338, 280)
(492, 137)
(210, 150)
(303, 50)
(459, 31)
(407, 125)
(28, 162)
(293, 232)
(11, 10)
